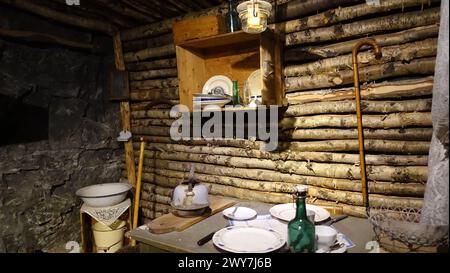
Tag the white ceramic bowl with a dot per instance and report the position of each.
(326, 236)
(104, 195)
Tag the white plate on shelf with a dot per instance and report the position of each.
(286, 212)
(254, 83)
(218, 85)
(241, 213)
(244, 239)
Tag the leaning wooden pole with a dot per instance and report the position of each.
(137, 195)
(125, 113)
(370, 42)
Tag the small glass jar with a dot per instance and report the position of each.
(253, 15)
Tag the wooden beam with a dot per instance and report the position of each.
(91, 10)
(69, 19)
(124, 10)
(29, 36)
(125, 114)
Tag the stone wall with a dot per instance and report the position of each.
(38, 180)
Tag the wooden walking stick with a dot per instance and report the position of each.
(137, 194)
(369, 42)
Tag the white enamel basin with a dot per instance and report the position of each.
(104, 195)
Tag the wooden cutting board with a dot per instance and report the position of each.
(170, 222)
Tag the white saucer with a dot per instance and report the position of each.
(242, 213)
(339, 250)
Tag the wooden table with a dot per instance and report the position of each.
(357, 229)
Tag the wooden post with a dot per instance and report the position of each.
(125, 114)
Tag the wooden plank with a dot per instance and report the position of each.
(119, 89)
(279, 66)
(267, 63)
(201, 27)
(30, 36)
(169, 222)
(125, 114)
(222, 40)
(191, 75)
(237, 67)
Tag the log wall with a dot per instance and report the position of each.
(318, 131)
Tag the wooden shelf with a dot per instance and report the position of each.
(235, 55)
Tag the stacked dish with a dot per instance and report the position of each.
(218, 90)
(203, 100)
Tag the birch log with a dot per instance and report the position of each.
(370, 145)
(347, 197)
(153, 74)
(333, 16)
(367, 106)
(163, 27)
(327, 51)
(300, 8)
(151, 130)
(154, 94)
(240, 143)
(30, 36)
(371, 159)
(404, 53)
(409, 189)
(151, 122)
(154, 29)
(347, 171)
(154, 84)
(384, 90)
(364, 27)
(393, 120)
(155, 197)
(62, 17)
(156, 64)
(424, 66)
(137, 45)
(148, 53)
(161, 103)
(386, 134)
(151, 114)
(167, 179)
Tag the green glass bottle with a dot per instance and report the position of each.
(236, 99)
(232, 16)
(301, 232)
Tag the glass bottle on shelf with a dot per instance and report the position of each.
(301, 231)
(236, 98)
(232, 17)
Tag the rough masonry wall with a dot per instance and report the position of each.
(38, 180)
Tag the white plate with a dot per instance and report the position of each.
(242, 213)
(286, 212)
(243, 239)
(254, 83)
(219, 82)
